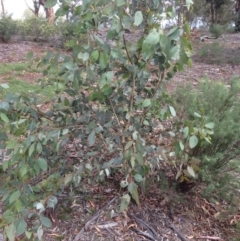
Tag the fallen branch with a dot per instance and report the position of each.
(94, 217)
(202, 38)
(107, 225)
(209, 237)
(179, 234)
(146, 235)
(143, 224)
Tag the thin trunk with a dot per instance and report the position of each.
(49, 14)
(36, 7)
(237, 22)
(3, 8)
(48, 11)
(213, 12)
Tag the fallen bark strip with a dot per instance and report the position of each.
(209, 237)
(146, 235)
(94, 217)
(143, 224)
(179, 234)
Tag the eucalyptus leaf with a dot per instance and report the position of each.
(138, 18)
(125, 200)
(132, 188)
(146, 103)
(14, 196)
(10, 232)
(21, 226)
(92, 138)
(210, 125)
(42, 164)
(46, 222)
(193, 141)
(50, 3)
(172, 111)
(191, 171)
(4, 117)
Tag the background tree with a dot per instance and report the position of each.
(36, 7)
(211, 12)
(48, 11)
(237, 21)
(220, 11)
(3, 8)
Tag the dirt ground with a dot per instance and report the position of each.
(164, 214)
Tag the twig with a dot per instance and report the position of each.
(114, 113)
(143, 234)
(143, 224)
(209, 237)
(107, 225)
(179, 234)
(94, 217)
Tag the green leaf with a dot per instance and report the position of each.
(128, 145)
(132, 188)
(52, 202)
(210, 125)
(119, 3)
(124, 184)
(21, 226)
(172, 111)
(193, 141)
(4, 118)
(139, 158)
(138, 18)
(14, 196)
(146, 123)
(191, 171)
(42, 164)
(146, 103)
(189, 3)
(50, 3)
(83, 56)
(4, 86)
(197, 115)
(46, 222)
(185, 132)
(152, 38)
(107, 90)
(125, 200)
(138, 178)
(10, 232)
(39, 147)
(95, 55)
(91, 138)
(29, 55)
(68, 178)
(62, 11)
(31, 149)
(28, 234)
(103, 60)
(23, 171)
(40, 232)
(175, 53)
(181, 145)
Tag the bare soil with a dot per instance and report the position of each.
(164, 214)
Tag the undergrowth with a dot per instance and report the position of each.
(219, 103)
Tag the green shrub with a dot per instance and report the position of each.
(106, 113)
(211, 53)
(37, 28)
(217, 30)
(220, 105)
(7, 28)
(66, 31)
